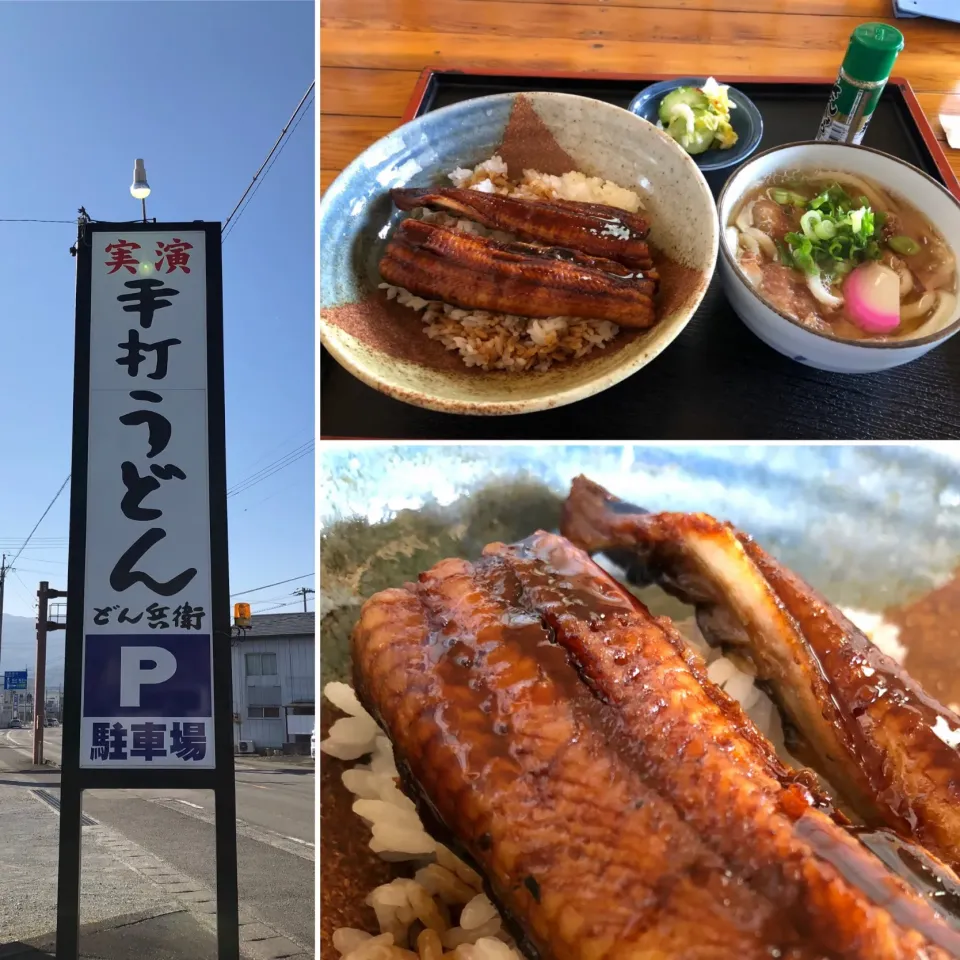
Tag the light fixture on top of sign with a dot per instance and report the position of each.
(140, 189)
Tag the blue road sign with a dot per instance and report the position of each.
(15, 680)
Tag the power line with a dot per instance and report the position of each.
(37, 524)
(278, 606)
(273, 150)
(271, 468)
(7, 220)
(268, 585)
(265, 172)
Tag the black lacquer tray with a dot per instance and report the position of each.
(717, 381)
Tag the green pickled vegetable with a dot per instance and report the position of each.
(906, 246)
(698, 118)
(691, 97)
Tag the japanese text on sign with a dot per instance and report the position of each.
(148, 543)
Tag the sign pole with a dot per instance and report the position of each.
(148, 698)
(225, 804)
(71, 795)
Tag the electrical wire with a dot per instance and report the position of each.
(7, 220)
(265, 172)
(271, 468)
(292, 603)
(254, 185)
(268, 585)
(37, 524)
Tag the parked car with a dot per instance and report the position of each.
(51, 722)
(313, 743)
(15, 724)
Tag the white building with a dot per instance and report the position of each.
(274, 685)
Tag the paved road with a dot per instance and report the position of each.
(275, 821)
(271, 796)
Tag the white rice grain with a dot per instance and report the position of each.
(347, 939)
(342, 696)
(882, 633)
(440, 882)
(477, 912)
(456, 936)
(486, 948)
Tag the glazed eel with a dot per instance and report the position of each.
(438, 263)
(619, 803)
(865, 724)
(592, 228)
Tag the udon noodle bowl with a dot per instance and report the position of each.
(844, 256)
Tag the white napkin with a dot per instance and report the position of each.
(951, 127)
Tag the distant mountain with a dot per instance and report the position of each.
(18, 648)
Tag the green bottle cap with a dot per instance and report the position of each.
(872, 52)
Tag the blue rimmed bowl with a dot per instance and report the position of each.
(387, 348)
(745, 120)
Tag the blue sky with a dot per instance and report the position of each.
(200, 90)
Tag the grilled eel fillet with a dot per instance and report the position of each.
(618, 802)
(867, 726)
(592, 228)
(438, 263)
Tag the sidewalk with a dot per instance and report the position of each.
(148, 935)
(28, 865)
(132, 903)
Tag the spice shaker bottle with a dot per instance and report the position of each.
(863, 75)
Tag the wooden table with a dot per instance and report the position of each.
(372, 51)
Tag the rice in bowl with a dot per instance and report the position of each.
(501, 341)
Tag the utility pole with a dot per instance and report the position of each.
(3, 576)
(40, 676)
(303, 591)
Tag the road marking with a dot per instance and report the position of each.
(196, 806)
(300, 848)
(306, 843)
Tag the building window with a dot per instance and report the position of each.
(261, 664)
(263, 713)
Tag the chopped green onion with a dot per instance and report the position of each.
(786, 257)
(786, 198)
(904, 245)
(825, 230)
(837, 234)
(808, 221)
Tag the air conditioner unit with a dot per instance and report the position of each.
(247, 746)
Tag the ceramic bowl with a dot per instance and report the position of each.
(745, 119)
(789, 336)
(386, 347)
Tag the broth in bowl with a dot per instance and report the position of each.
(844, 256)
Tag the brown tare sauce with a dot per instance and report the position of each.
(913, 864)
(903, 859)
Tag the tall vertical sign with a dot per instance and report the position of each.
(148, 688)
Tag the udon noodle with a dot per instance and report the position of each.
(844, 256)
